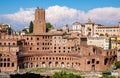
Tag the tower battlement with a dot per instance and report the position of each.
(39, 22)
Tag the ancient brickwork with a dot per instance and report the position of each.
(52, 50)
(39, 23)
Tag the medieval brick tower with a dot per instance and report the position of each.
(39, 22)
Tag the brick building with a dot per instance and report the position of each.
(39, 23)
(51, 49)
(9, 48)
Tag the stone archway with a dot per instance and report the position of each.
(43, 64)
(26, 65)
(31, 65)
(68, 64)
(56, 64)
(37, 65)
(62, 64)
(72, 65)
(93, 67)
(50, 64)
(105, 61)
(22, 65)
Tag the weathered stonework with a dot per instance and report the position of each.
(53, 50)
(39, 23)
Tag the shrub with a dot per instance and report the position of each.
(117, 64)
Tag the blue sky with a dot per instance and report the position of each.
(11, 6)
(19, 13)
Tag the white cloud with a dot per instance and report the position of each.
(107, 15)
(62, 15)
(58, 16)
(19, 19)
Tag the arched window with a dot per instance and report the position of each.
(13, 43)
(4, 43)
(105, 61)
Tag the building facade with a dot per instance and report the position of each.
(118, 48)
(9, 48)
(90, 29)
(101, 41)
(51, 49)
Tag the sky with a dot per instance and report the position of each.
(18, 13)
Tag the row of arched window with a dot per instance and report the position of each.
(8, 43)
(49, 58)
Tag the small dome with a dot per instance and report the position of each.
(76, 23)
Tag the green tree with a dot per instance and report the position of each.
(101, 34)
(106, 34)
(26, 32)
(117, 64)
(48, 26)
(65, 75)
(107, 76)
(31, 27)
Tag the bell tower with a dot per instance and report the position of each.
(39, 22)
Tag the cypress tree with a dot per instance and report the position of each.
(31, 27)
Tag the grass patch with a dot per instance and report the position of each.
(40, 70)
